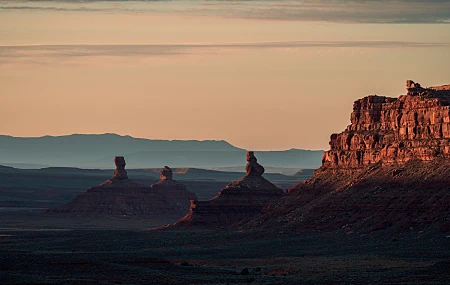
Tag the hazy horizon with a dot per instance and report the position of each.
(142, 138)
(261, 75)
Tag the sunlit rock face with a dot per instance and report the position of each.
(240, 200)
(388, 171)
(120, 196)
(393, 130)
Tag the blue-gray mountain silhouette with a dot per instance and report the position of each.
(95, 151)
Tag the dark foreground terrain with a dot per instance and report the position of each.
(43, 248)
(80, 256)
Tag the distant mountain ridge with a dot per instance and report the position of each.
(97, 151)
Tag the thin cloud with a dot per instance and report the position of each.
(347, 11)
(50, 53)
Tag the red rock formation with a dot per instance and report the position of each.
(180, 197)
(119, 179)
(121, 196)
(389, 170)
(393, 130)
(240, 200)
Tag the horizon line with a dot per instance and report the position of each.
(156, 139)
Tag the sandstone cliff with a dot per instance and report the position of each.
(389, 170)
(393, 130)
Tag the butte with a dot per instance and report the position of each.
(389, 171)
(239, 200)
(120, 196)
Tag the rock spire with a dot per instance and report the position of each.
(120, 172)
(238, 201)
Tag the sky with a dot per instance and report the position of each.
(262, 75)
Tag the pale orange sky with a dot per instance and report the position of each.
(259, 84)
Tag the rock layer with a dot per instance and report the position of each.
(240, 200)
(393, 130)
(389, 170)
(120, 196)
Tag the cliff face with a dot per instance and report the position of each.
(393, 130)
(389, 170)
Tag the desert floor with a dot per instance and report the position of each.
(43, 249)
